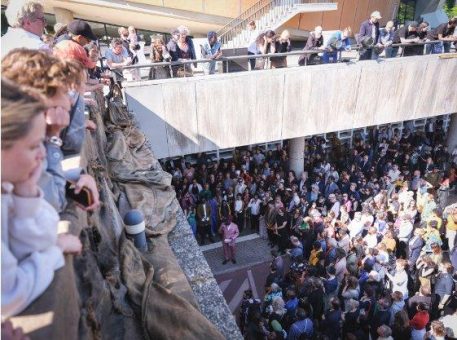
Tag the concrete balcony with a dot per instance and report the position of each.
(190, 115)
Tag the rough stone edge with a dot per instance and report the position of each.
(206, 290)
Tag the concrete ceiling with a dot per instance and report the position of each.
(143, 16)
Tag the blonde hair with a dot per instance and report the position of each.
(285, 34)
(41, 71)
(19, 107)
(19, 10)
(438, 328)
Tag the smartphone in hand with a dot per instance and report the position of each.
(84, 197)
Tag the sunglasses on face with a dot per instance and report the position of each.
(42, 19)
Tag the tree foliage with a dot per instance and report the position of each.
(450, 8)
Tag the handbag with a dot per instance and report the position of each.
(260, 63)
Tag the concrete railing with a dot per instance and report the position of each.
(185, 116)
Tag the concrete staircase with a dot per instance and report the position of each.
(268, 14)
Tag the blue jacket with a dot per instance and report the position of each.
(301, 327)
(338, 35)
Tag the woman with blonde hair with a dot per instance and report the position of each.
(159, 54)
(31, 249)
(282, 45)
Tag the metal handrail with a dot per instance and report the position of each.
(245, 14)
(258, 10)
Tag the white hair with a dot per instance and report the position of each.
(278, 305)
(183, 30)
(19, 10)
(274, 287)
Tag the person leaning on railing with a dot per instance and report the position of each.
(282, 45)
(386, 36)
(337, 42)
(269, 43)
(211, 49)
(181, 48)
(405, 35)
(117, 56)
(444, 33)
(315, 42)
(159, 54)
(368, 36)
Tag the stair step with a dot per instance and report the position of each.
(269, 20)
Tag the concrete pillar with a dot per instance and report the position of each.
(296, 155)
(452, 134)
(63, 15)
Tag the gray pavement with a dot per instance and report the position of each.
(248, 253)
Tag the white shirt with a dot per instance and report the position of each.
(238, 205)
(255, 207)
(355, 228)
(371, 240)
(399, 282)
(450, 323)
(367, 218)
(405, 230)
(29, 251)
(204, 211)
(20, 38)
(393, 174)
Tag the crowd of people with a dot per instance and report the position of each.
(354, 222)
(45, 89)
(371, 40)
(369, 234)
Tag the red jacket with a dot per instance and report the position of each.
(420, 320)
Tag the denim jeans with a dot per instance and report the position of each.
(437, 48)
(369, 54)
(391, 52)
(327, 55)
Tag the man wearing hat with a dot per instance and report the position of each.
(79, 31)
(211, 49)
(406, 35)
(369, 35)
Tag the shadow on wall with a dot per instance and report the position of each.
(166, 139)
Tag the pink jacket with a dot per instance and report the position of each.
(229, 232)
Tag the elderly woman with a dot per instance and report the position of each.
(31, 249)
(159, 54)
(181, 48)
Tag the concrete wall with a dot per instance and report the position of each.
(183, 116)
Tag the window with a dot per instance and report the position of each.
(406, 11)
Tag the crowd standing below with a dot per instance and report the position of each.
(365, 232)
(370, 237)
